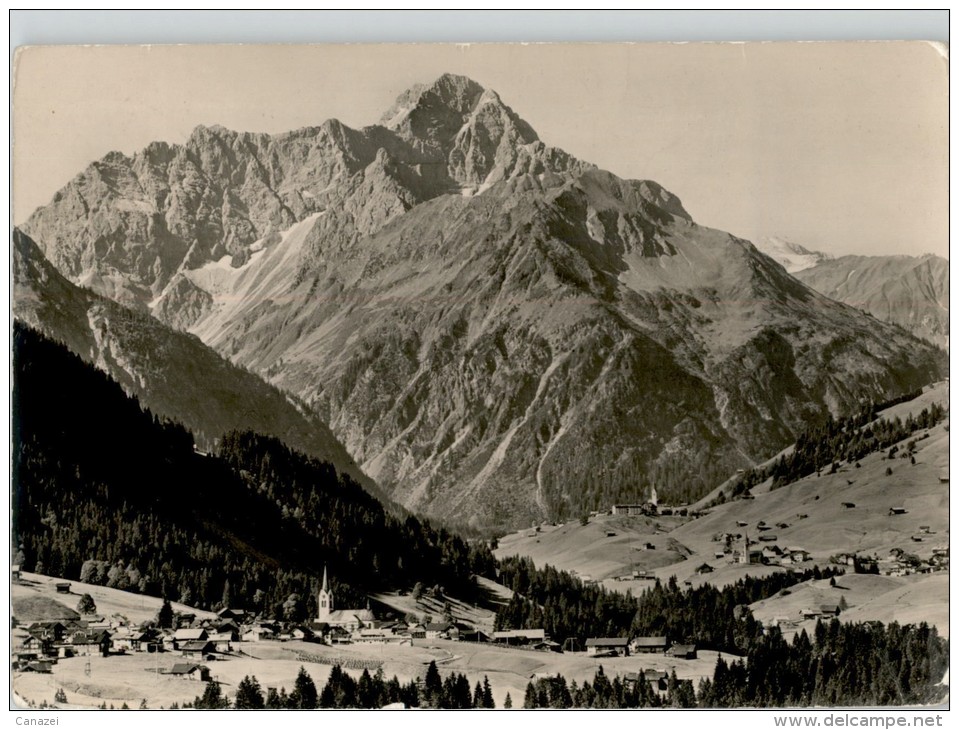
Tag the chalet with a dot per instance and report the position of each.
(763, 528)
(86, 643)
(742, 523)
(185, 636)
(546, 646)
(897, 511)
(719, 555)
(944, 477)
(705, 568)
(41, 667)
(782, 525)
(648, 645)
(633, 510)
(339, 635)
(258, 633)
(372, 636)
(128, 639)
(224, 633)
(610, 533)
(767, 538)
(63, 587)
(648, 546)
(848, 505)
(520, 636)
(476, 635)
(771, 552)
(941, 552)
(925, 530)
(197, 648)
(829, 609)
(682, 651)
(196, 672)
(438, 630)
(301, 633)
(237, 615)
(185, 620)
(657, 680)
(417, 631)
(798, 555)
(613, 646)
(15, 573)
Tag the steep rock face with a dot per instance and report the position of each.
(911, 291)
(172, 373)
(495, 330)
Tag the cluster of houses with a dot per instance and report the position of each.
(897, 562)
(624, 646)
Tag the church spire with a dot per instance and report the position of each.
(325, 589)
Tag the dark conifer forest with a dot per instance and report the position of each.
(105, 489)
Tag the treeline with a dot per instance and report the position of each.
(866, 664)
(828, 444)
(862, 664)
(560, 603)
(708, 616)
(370, 691)
(105, 490)
(712, 617)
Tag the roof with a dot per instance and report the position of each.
(189, 634)
(682, 648)
(348, 615)
(439, 626)
(520, 634)
(196, 646)
(650, 641)
(185, 668)
(829, 608)
(611, 641)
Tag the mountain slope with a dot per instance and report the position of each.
(172, 373)
(911, 291)
(127, 500)
(497, 331)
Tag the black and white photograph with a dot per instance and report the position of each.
(475, 376)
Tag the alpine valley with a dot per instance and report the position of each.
(495, 331)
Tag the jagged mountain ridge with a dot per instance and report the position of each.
(172, 373)
(497, 331)
(911, 291)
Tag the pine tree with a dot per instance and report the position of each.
(249, 695)
(165, 615)
(303, 696)
(508, 702)
(487, 694)
(212, 698)
(86, 604)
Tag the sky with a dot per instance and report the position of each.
(840, 147)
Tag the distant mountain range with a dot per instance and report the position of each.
(911, 291)
(496, 331)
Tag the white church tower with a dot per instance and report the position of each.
(325, 601)
(653, 499)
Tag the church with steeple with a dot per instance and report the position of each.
(349, 619)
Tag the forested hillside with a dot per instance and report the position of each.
(105, 487)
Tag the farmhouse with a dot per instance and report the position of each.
(704, 568)
(897, 511)
(613, 646)
(184, 636)
(196, 672)
(682, 651)
(848, 505)
(520, 636)
(192, 648)
(349, 619)
(649, 644)
(63, 587)
(439, 630)
(91, 642)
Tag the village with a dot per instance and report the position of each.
(199, 647)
